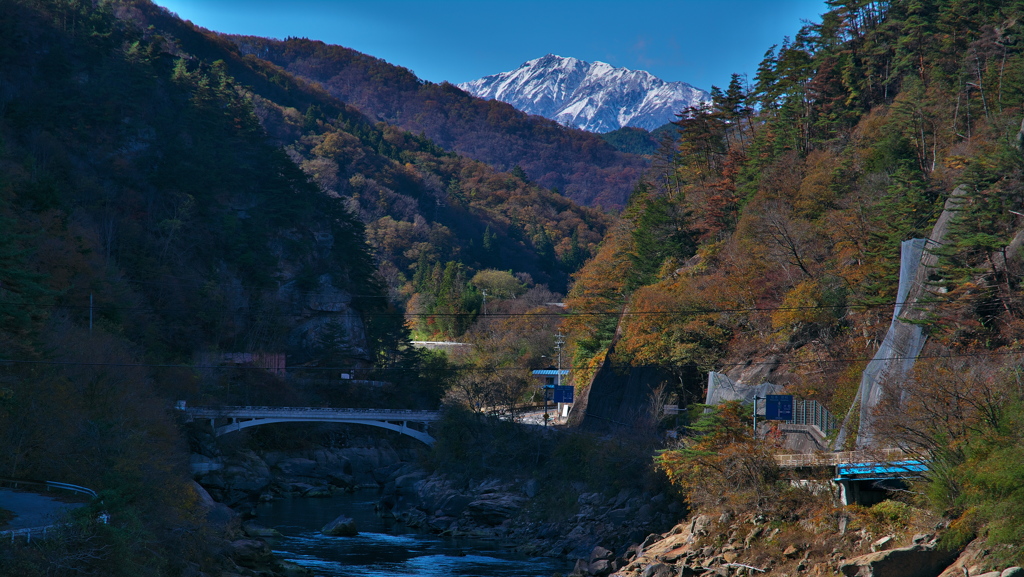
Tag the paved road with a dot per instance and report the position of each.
(32, 509)
(536, 417)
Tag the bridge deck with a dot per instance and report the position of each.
(313, 413)
(244, 417)
(840, 458)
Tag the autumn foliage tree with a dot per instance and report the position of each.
(963, 415)
(721, 466)
(515, 336)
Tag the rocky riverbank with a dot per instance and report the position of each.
(631, 533)
(726, 546)
(243, 548)
(520, 513)
(516, 513)
(242, 478)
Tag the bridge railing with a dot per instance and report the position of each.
(252, 412)
(810, 412)
(843, 457)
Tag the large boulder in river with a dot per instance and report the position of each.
(914, 561)
(364, 461)
(218, 515)
(251, 553)
(297, 467)
(243, 477)
(492, 509)
(407, 483)
(341, 527)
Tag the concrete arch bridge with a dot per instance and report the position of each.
(225, 420)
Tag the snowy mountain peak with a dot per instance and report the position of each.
(594, 96)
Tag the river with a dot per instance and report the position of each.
(385, 549)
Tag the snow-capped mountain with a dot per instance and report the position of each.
(594, 96)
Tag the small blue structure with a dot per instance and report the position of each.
(868, 483)
(879, 471)
(549, 375)
(564, 394)
(778, 407)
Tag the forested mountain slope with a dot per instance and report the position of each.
(767, 246)
(145, 219)
(423, 207)
(164, 201)
(579, 164)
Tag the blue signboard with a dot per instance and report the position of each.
(563, 394)
(778, 407)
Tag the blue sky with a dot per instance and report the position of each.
(700, 42)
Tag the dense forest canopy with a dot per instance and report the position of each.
(765, 242)
(167, 204)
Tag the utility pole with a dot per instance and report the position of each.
(755, 413)
(559, 341)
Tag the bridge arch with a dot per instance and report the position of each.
(400, 428)
(244, 417)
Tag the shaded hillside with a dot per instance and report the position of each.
(148, 224)
(766, 244)
(173, 215)
(579, 164)
(418, 202)
(154, 171)
(633, 140)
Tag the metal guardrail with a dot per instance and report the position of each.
(810, 412)
(70, 487)
(48, 485)
(844, 457)
(876, 471)
(28, 532)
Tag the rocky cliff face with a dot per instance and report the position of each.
(593, 96)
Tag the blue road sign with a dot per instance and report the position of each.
(563, 394)
(778, 407)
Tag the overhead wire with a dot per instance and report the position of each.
(493, 369)
(564, 313)
(561, 314)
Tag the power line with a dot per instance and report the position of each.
(404, 314)
(235, 287)
(492, 369)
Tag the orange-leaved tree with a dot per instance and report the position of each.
(722, 466)
(597, 296)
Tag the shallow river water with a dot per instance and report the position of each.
(384, 549)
